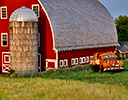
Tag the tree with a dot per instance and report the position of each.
(122, 27)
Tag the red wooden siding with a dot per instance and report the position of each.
(81, 53)
(46, 45)
(51, 64)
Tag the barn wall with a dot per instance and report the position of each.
(46, 45)
(0, 61)
(81, 53)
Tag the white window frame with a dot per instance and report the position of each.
(84, 60)
(38, 9)
(92, 57)
(38, 37)
(6, 12)
(66, 62)
(87, 59)
(2, 39)
(62, 63)
(77, 61)
(73, 61)
(81, 60)
(5, 58)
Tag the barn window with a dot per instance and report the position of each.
(35, 8)
(65, 62)
(3, 12)
(83, 60)
(92, 57)
(73, 61)
(4, 39)
(6, 58)
(61, 63)
(76, 61)
(87, 59)
(38, 37)
(80, 60)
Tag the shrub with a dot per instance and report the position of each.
(51, 71)
(12, 73)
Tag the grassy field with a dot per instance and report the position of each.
(67, 85)
(49, 89)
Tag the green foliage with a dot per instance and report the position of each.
(122, 27)
(126, 64)
(66, 84)
(11, 71)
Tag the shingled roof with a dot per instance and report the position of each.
(80, 23)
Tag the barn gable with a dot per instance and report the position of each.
(68, 30)
(80, 24)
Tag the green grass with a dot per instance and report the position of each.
(67, 84)
(54, 89)
(126, 64)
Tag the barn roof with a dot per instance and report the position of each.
(80, 24)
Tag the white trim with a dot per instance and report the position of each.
(5, 58)
(38, 9)
(61, 61)
(80, 60)
(1, 12)
(49, 60)
(73, 61)
(50, 24)
(56, 64)
(40, 61)
(2, 40)
(2, 62)
(83, 59)
(77, 61)
(46, 64)
(87, 59)
(66, 62)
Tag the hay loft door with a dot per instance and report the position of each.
(5, 62)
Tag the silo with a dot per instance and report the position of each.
(23, 29)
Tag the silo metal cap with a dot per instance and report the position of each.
(24, 14)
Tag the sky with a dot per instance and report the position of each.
(116, 7)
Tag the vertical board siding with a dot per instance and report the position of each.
(81, 53)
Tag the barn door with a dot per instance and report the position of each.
(39, 62)
(5, 62)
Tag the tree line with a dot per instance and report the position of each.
(122, 27)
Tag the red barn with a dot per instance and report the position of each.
(70, 31)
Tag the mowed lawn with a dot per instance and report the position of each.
(74, 85)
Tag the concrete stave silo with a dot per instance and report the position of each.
(23, 40)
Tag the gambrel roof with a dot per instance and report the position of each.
(80, 23)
